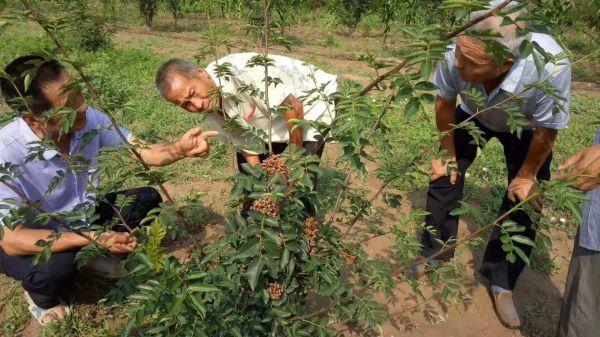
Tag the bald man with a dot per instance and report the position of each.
(470, 67)
(230, 92)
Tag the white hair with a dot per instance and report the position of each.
(510, 38)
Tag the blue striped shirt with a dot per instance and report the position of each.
(589, 232)
(36, 176)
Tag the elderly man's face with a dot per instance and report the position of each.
(473, 63)
(194, 94)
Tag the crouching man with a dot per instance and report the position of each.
(91, 130)
(230, 91)
(469, 67)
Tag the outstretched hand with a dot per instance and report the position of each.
(194, 143)
(117, 242)
(584, 167)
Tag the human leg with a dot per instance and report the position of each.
(143, 200)
(443, 196)
(581, 304)
(495, 267)
(45, 282)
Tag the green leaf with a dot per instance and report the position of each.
(27, 81)
(525, 49)
(523, 240)
(425, 85)
(285, 257)
(176, 306)
(426, 68)
(249, 249)
(521, 254)
(254, 270)
(272, 235)
(202, 288)
(539, 62)
(404, 93)
(236, 331)
(412, 107)
(198, 305)
(280, 312)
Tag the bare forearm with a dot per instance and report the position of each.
(296, 112)
(539, 149)
(445, 120)
(161, 154)
(21, 241)
(251, 158)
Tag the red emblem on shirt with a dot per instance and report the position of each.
(250, 115)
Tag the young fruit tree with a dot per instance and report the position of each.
(293, 259)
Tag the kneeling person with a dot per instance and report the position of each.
(230, 90)
(91, 130)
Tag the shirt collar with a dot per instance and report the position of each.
(29, 137)
(512, 79)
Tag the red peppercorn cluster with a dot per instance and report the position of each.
(349, 257)
(275, 165)
(266, 206)
(275, 290)
(311, 230)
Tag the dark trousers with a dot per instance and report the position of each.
(443, 197)
(310, 148)
(47, 282)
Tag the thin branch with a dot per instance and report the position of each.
(58, 220)
(384, 110)
(266, 42)
(466, 26)
(420, 261)
(92, 91)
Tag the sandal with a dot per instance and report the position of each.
(46, 316)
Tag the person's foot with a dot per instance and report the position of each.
(505, 309)
(422, 268)
(47, 316)
(107, 266)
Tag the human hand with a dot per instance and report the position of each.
(117, 242)
(521, 188)
(439, 169)
(584, 167)
(194, 143)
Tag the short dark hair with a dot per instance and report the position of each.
(41, 70)
(173, 66)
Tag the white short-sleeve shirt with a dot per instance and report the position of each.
(537, 106)
(296, 77)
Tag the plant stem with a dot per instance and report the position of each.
(466, 26)
(384, 110)
(58, 220)
(266, 42)
(32, 15)
(420, 261)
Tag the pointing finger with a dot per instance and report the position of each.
(570, 161)
(208, 134)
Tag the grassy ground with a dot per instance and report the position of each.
(125, 74)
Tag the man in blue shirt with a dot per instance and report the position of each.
(580, 314)
(488, 91)
(73, 155)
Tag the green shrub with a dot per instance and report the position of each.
(350, 12)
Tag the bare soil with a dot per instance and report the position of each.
(538, 297)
